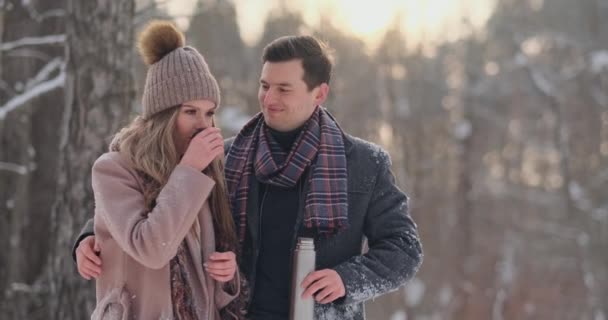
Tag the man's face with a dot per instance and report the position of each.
(284, 97)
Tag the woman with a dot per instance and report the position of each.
(162, 217)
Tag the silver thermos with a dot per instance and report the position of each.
(303, 264)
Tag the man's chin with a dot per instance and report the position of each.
(269, 121)
(275, 125)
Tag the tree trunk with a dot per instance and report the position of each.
(31, 102)
(67, 128)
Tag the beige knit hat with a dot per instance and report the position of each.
(176, 73)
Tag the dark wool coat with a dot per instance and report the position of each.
(378, 212)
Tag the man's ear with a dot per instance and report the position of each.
(322, 93)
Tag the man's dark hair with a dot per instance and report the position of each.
(315, 55)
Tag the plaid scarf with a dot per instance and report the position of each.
(320, 147)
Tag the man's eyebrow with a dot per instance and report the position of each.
(282, 84)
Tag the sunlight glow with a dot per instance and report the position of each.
(425, 22)
(364, 18)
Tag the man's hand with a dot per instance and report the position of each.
(221, 266)
(325, 285)
(89, 264)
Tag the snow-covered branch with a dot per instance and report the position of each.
(29, 53)
(38, 90)
(599, 96)
(499, 305)
(25, 288)
(37, 16)
(13, 167)
(541, 83)
(52, 13)
(44, 73)
(33, 41)
(580, 196)
(538, 79)
(599, 61)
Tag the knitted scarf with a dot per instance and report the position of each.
(319, 148)
(181, 293)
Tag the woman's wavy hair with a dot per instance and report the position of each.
(150, 146)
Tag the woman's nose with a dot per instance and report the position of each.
(204, 122)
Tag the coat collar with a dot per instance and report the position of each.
(348, 143)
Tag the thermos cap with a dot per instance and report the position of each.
(305, 244)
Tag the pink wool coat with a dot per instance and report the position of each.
(137, 244)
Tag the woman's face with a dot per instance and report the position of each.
(192, 116)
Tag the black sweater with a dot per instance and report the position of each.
(278, 209)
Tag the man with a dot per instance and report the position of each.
(291, 171)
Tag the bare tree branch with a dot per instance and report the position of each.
(33, 41)
(37, 16)
(29, 53)
(43, 74)
(542, 84)
(52, 13)
(599, 61)
(13, 167)
(40, 89)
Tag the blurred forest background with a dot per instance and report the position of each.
(497, 127)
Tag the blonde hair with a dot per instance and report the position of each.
(150, 147)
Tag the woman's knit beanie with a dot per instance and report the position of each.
(176, 73)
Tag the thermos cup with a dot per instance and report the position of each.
(303, 264)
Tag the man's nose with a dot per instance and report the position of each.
(269, 97)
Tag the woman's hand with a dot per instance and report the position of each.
(87, 261)
(221, 266)
(203, 148)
